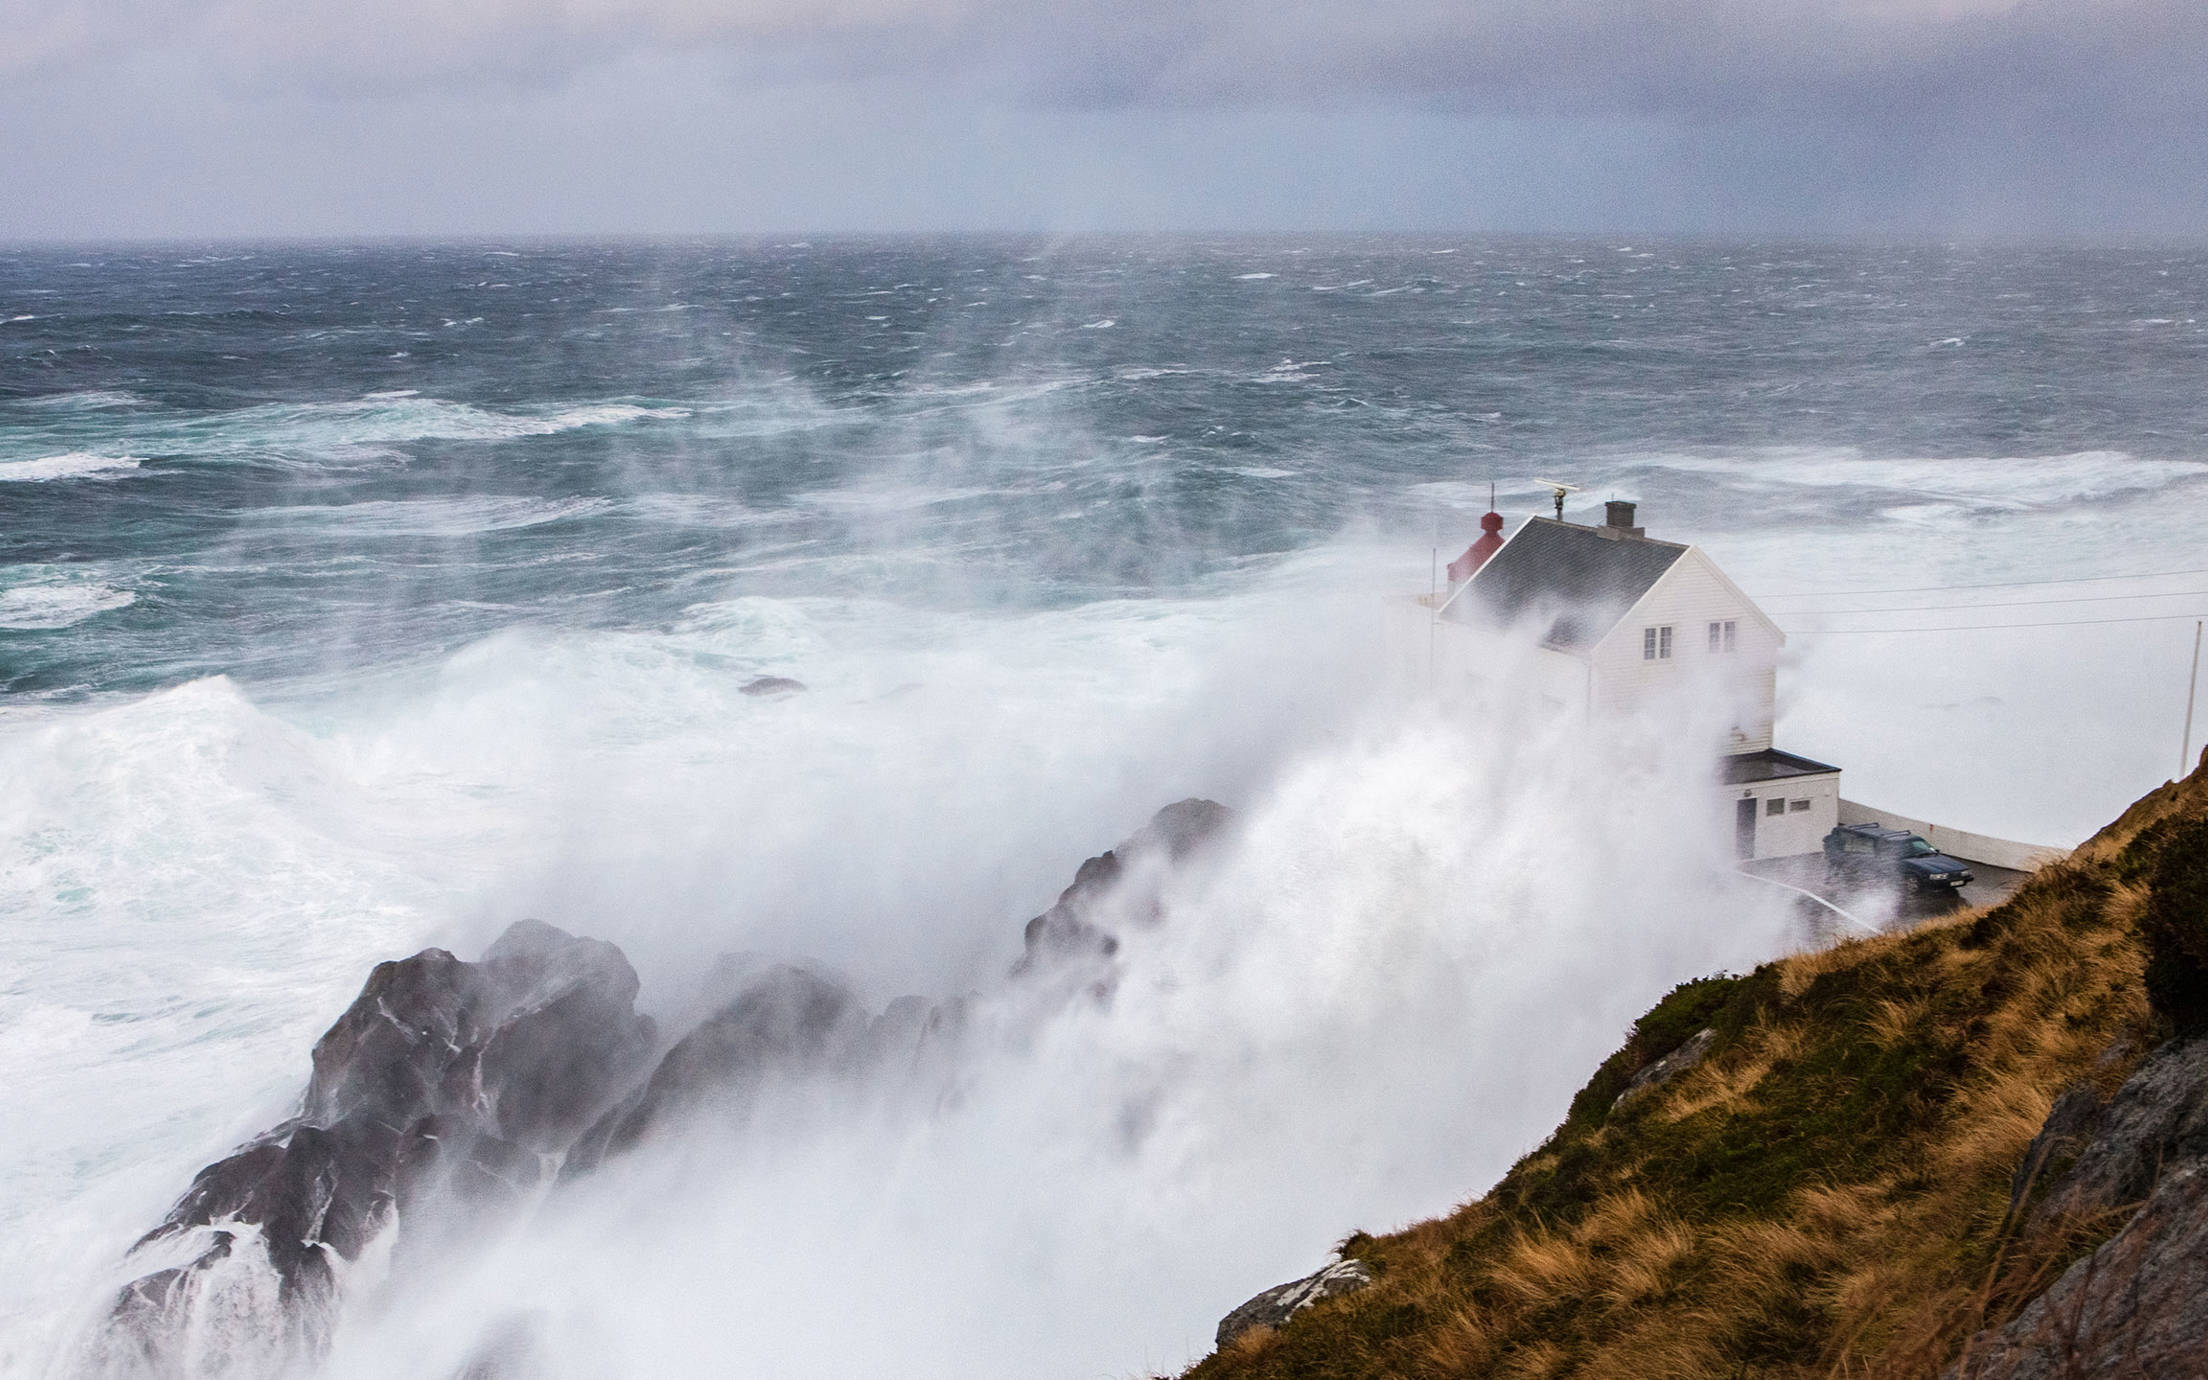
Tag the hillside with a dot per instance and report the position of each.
(1835, 1171)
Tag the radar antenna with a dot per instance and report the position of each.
(1557, 489)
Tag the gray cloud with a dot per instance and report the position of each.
(1689, 114)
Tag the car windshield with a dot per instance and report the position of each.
(1918, 848)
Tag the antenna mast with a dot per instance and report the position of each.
(1557, 489)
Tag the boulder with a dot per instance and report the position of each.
(1277, 1305)
(445, 1083)
(1663, 1070)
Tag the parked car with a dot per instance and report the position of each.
(1865, 851)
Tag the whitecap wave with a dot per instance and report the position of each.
(73, 465)
(382, 419)
(47, 602)
(2010, 483)
(89, 399)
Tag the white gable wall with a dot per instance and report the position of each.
(1809, 807)
(1691, 596)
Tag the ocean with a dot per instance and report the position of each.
(355, 598)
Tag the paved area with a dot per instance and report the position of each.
(1886, 906)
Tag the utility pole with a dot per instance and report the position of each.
(2192, 689)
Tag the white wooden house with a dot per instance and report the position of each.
(1618, 620)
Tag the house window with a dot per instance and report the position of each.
(1656, 643)
(1730, 628)
(1774, 807)
(1796, 807)
(1724, 636)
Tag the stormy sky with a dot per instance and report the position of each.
(135, 118)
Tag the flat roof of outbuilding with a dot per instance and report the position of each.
(1748, 768)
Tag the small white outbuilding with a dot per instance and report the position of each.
(1620, 620)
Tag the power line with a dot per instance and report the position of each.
(1998, 584)
(1992, 627)
(2004, 604)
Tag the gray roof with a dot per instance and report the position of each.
(1569, 582)
(1748, 768)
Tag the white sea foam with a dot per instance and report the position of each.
(1251, 277)
(74, 465)
(308, 431)
(2000, 483)
(58, 603)
(195, 885)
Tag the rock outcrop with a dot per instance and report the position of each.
(2138, 1305)
(786, 1020)
(445, 1089)
(1282, 1302)
(1077, 925)
(1663, 1070)
(449, 1091)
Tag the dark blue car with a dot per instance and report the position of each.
(1864, 851)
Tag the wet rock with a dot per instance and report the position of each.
(772, 685)
(1277, 1305)
(1074, 927)
(786, 1020)
(445, 1082)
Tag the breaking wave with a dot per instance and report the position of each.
(74, 465)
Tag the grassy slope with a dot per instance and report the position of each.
(1827, 1193)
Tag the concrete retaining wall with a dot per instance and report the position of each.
(1957, 843)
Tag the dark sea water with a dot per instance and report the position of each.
(357, 598)
(294, 459)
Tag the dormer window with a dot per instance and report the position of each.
(1656, 643)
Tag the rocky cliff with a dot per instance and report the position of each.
(451, 1095)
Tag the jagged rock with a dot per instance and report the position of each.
(2157, 1120)
(772, 685)
(1663, 1070)
(2139, 1304)
(1282, 1302)
(443, 1080)
(785, 1020)
(1070, 928)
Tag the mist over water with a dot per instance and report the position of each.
(353, 600)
